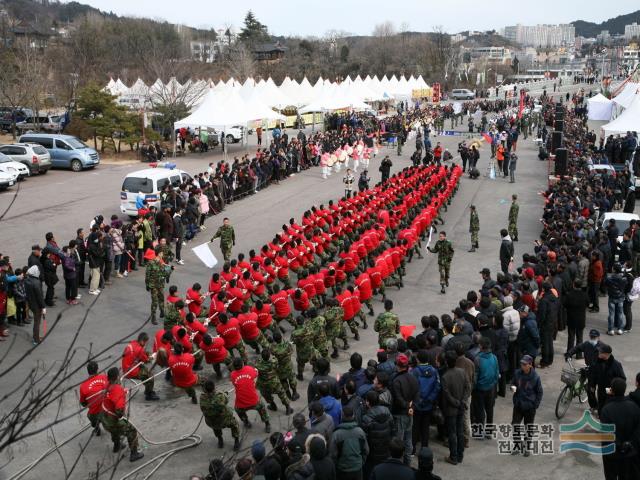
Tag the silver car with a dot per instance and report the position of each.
(34, 156)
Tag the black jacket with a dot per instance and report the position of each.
(576, 302)
(605, 371)
(178, 227)
(589, 350)
(455, 388)
(33, 289)
(506, 250)
(616, 286)
(624, 413)
(33, 260)
(548, 311)
(404, 388)
(81, 248)
(528, 393)
(316, 381)
(377, 423)
(392, 469)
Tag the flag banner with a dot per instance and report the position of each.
(206, 256)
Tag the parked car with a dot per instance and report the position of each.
(622, 221)
(462, 94)
(9, 115)
(66, 151)
(49, 123)
(9, 166)
(6, 180)
(34, 156)
(232, 134)
(148, 183)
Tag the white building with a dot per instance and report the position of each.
(631, 56)
(541, 35)
(203, 50)
(632, 31)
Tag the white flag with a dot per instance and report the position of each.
(204, 253)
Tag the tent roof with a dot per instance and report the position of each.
(628, 121)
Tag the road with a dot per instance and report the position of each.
(123, 307)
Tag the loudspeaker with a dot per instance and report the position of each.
(558, 125)
(559, 115)
(556, 141)
(561, 161)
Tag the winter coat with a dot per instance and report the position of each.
(333, 408)
(324, 426)
(204, 204)
(576, 302)
(548, 308)
(50, 274)
(377, 424)
(529, 336)
(33, 289)
(404, 388)
(68, 267)
(117, 241)
(487, 371)
(312, 389)
(349, 448)
(506, 249)
(582, 273)
(455, 389)
(96, 253)
(511, 322)
(300, 469)
(625, 415)
(528, 394)
(323, 467)
(500, 350)
(616, 286)
(392, 468)
(605, 371)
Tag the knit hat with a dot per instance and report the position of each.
(33, 271)
(257, 450)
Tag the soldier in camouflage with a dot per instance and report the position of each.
(282, 351)
(474, 228)
(387, 324)
(172, 315)
(227, 239)
(217, 414)
(155, 280)
(268, 382)
(445, 252)
(302, 338)
(334, 317)
(317, 324)
(513, 218)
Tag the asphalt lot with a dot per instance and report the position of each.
(69, 200)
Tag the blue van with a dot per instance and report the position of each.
(66, 151)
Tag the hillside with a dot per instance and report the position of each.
(614, 25)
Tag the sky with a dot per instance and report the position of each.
(315, 18)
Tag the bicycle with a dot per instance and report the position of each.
(575, 386)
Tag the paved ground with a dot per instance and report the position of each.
(61, 201)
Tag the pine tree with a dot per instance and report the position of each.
(253, 31)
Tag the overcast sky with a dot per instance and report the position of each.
(303, 18)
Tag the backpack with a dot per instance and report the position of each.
(634, 294)
(429, 387)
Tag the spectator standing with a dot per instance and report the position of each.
(527, 395)
(35, 300)
(483, 395)
(349, 448)
(404, 389)
(455, 388)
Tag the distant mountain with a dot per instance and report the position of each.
(614, 25)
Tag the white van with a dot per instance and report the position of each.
(149, 183)
(462, 94)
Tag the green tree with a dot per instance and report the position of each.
(344, 54)
(253, 31)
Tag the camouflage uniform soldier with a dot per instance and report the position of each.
(317, 324)
(302, 337)
(387, 324)
(445, 252)
(217, 414)
(167, 253)
(474, 228)
(155, 279)
(172, 315)
(227, 239)
(334, 317)
(282, 351)
(513, 218)
(113, 411)
(268, 382)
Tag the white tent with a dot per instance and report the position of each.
(626, 96)
(628, 121)
(222, 109)
(119, 88)
(599, 108)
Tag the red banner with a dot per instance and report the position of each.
(436, 92)
(521, 107)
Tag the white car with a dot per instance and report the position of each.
(622, 221)
(232, 134)
(11, 167)
(6, 180)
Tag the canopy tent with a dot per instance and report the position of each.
(599, 108)
(628, 121)
(119, 88)
(222, 109)
(335, 98)
(272, 96)
(626, 96)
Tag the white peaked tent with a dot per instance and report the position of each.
(599, 108)
(272, 96)
(119, 88)
(307, 92)
(628, 121)
(420, 83)
(626, 96)
(223, 109)
(110, 85)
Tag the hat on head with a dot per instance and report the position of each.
(593, 333)
(526, 360)
(402, 360)
(149, 254)
(523, 308)
(257, 450)
(485, 271)
(604, 348)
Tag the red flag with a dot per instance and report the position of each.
(406, 330)
(487, 137)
